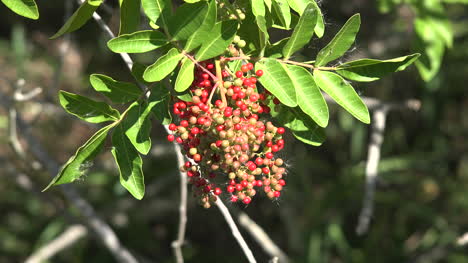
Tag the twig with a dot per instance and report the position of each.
(235, 231)
(71, 235)
(373, 158)
(103, 231)
(177, 244)
(104, 27)
(262, 238)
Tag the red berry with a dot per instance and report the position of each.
(280, 130)
(247, 200)
(250, 66)
(230, 188)
(244, 68)
(172, 127)
(265, 170)
(195, 130)
(259, 73)
(275, 148)
(217, 191)
(281, 182)
(269, 155)
(277, 194)
(239, 74)
(234, 198)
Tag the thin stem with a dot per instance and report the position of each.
(219, 76)
(199, 65)
(235, 231)
(212, 92)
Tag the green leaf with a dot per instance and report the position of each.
(187, 20)
(129, 163)
(163, 66)
(26, 8)
(341, 42)
(277, 80)
(281, 10)
(309, 97)
(161, 97)
(258, 7)
(79, 18)
(75, 166)
(117, 91)
(197, 38)
(343, 93)
(137, 42)
(301, 125)
(302, 32)
(129, 16)
(300, 5)
(217, 40)
(185, 76)
(87, 109)
(155, 9)
(137, 126)
(373, 69)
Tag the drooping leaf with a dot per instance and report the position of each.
(197, 38)
(276, 80)
(301, 125)
(302, 32)
(341, 42)
(187, 20)
(129, 163)
(137, 126)
(87, 109)
(137, 42)
(300, 5)
(155, 9)
(26, 8)
(373, 69)
(79, 18)
(309, 97)
(218, 40)
(185, 76)
(129, 16)
(75, 167)
(160, 96)
(117, 91)
(280, 9)
(343, 93)
(163, 66)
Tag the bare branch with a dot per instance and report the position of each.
(262, 238)
(373, 158)
(235, 231)
(178, 243)
(71, 235)
(20, 96)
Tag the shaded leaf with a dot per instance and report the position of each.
(185, 76)
(302, 32)
(129, 163)
(137, 72)
(218, 40)
(155, 9)
(160, 96)
(87, 109)
(163, 66)
(137, 42)
(137, 126)
(309, 97)
(275, 50)
(26, 8)
(276, 80)
(117, 91)
(79, 18)
(343, 93)
(73, 168)
(341, 42)
(129, 16)
(282, 11)
(373, 69)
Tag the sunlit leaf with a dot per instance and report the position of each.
(185, 76)
(87, 109)
(276, 80)
(341, 42)
(209, 20)
(187, 20)
(163, 66)
(117, 91)
(137, 42)
(218, 40)
(373, 69)
(343, 93)
(26, 8)
(79, 18)
(302, 32)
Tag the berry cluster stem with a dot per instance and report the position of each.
(220, 82)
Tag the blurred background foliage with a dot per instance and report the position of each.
(421, 204)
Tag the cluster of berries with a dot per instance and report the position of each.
(232, 147)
